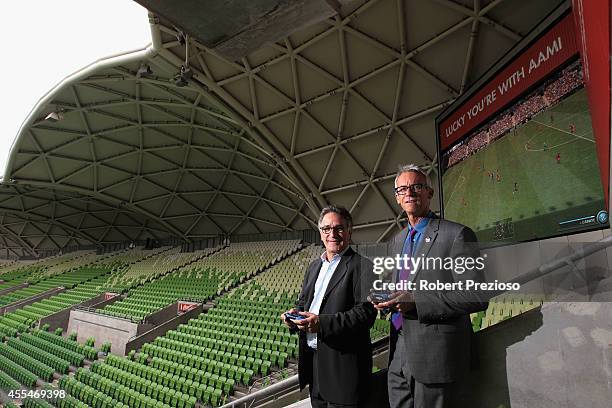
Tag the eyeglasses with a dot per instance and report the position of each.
(338, 229)
(415, 188)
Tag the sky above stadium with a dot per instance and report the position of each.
(46, 41)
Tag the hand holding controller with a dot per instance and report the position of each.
(294, 316)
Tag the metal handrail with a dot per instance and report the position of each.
(568, 260)
(265, 393)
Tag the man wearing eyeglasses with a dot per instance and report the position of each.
(430, 329)
(335, 349)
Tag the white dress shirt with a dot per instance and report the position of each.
(325, 274)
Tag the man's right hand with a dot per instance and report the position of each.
(288, 322)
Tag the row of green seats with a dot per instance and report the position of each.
(21, 273)
(105, 394)
(147, 299)
(7, 382)
(128, 387)
(72, 357)
(19, 373)
(224, 346)
(11, 284)
(7, 331)
(67, 279)
(11, 326)
(60, 365)
(252, 347)
(380, 329)
(211, 362)
(165, 374)
(78, 294)
(31, 364)
(36, 403)
(209, 373)
(21, 320)
(254, 315)
(88, 352)
(68, 401)
(271, 328)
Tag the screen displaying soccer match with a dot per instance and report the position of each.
(529, 170)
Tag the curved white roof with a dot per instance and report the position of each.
(258, 145)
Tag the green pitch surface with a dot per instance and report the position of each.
(547, 192)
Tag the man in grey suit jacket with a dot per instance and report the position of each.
(335, 350)
(430, 329)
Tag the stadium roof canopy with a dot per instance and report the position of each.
(260, 144)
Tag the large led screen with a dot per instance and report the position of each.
(518, 155)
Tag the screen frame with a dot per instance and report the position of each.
(541, 29)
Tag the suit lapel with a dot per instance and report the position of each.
(425, 243)
(313, 273)
(338, 273)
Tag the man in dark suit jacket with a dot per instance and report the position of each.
(335, 350)
(430, 329)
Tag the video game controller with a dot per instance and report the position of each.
(380, 296)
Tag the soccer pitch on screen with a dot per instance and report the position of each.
(532, 183)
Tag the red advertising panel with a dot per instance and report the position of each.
(592, 20)
(110, 295)
(184, 306)
(541, 58)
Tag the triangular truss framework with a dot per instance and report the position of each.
(261, 144)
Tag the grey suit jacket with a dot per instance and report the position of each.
(438, 333)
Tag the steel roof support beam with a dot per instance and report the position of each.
(295, 172)
(360, 97)
(357, 184)
(469, 56)
(396, 105)
(105, 198)
(25, 245)
(23, 216)
(481, 16)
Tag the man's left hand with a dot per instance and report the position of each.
(310, 324)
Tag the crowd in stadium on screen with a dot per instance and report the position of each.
(569, 80)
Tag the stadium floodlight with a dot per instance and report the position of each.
(182, 78)
(55, 116)
(185, 74)
(143, 70)
(180, 37)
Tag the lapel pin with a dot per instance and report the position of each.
(427, 239)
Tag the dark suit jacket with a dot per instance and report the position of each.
(438, 333)
(344, 350)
